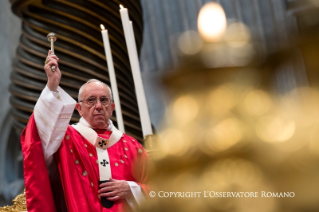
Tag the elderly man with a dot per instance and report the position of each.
(91, 165)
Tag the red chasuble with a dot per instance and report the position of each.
(77, 163)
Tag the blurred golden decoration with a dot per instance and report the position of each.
(149, 144)
(237, 34)
(257, 102)
(274, 129)
(19, 204)
(231, 142)
(225, 134)
(185, 109)
(221, 100)
(190, 43)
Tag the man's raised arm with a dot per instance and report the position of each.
(53, 110)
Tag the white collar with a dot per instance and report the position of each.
(86, 124)
(85, 129)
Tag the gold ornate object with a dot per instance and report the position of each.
(52, 37)
(150, 144)
(19, 204)
(231, 143)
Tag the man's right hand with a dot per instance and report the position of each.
(54, 77)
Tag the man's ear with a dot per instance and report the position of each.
(112, 107)
(78, 106)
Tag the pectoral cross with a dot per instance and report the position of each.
(104, 162)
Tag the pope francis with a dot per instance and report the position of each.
(90, 166)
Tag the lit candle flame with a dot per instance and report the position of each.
(121, 6)
(211, 22)
(102, 26)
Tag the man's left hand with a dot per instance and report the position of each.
(115, 190)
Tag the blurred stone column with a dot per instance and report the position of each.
(10, 160)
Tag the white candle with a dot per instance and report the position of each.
(139, 89)
(110, 66)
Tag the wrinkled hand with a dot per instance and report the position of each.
(116, 190)
(54, 77)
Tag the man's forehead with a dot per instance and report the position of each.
(96, 87)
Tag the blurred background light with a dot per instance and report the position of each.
(211, 22)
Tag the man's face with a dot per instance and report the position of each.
(97, 115)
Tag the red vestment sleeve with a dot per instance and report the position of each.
(37, 183)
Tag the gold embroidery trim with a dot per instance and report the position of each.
(61, 116)
(48, 108)
(42, 133)
(60, 129)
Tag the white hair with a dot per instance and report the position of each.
(93, 80)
